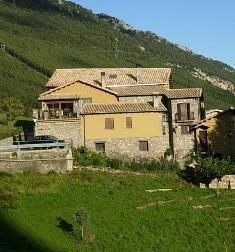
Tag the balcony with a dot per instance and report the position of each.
(53, 114)
(179, 117)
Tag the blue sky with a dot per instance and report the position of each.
(205, 26)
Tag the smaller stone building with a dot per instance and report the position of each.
(216, 134)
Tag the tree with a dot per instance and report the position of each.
(12, 107)
(205, 169)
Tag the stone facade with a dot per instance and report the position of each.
(227, 182)
(42, 161)
(183, 144)
(6, 141)
(63, 129)
(128, 148)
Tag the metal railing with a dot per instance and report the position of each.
(24, 146)
(179, 117)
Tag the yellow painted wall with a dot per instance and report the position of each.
(85, 91)
(143, 125)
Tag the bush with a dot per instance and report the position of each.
(86, 157)
(205, 169)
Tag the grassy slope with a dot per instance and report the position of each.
(111, 202)
(54, 40)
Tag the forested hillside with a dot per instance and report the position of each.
(43, 35)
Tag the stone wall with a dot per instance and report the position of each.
(6, 141)
(184, 143)
(41, 161)
(63, 129)
(227, 182)
(128, 148)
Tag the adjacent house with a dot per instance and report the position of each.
(216, 134)
(125, 112)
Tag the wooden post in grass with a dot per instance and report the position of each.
(81, 219)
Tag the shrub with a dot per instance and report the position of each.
(205, 169)
(86, 157)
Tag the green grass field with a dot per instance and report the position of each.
(31, 205)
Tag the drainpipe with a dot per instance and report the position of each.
(84, 131)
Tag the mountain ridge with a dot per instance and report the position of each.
(60, 34)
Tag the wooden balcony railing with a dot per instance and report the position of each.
(53, 114)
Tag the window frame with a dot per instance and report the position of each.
(98, 149)
(187, 132)
(109, 123)
(129, 124)
(146, 148)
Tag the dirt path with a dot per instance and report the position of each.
(113, 171)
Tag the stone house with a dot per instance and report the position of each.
(129, 112)
(216, 134)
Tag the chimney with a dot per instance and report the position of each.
(103, 84)
(157, 100)
(138, 73)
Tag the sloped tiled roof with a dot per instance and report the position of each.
(120, 108)
(49, 95)
(54, 97)
(113, 76)
(183, 93)
(138, 90)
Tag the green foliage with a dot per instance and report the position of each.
(85, 157)
(205, 169)
(8, 131)
(44, 35)
(12, 107)
(111, 202)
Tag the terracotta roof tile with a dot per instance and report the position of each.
(138, 90)
(157, 89)
(113, 76)
(58, 97)
(183, 93)
(120, 108)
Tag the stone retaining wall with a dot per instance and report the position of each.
(6, 141)
(42, 161)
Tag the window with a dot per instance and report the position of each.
(109, 123)
(185, 129)
(183, 112)
(100, 147)
(164, 130)
(164, 118)
(129, 122)
(143, 145)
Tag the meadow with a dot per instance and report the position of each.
(36, 209)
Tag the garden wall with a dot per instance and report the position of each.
(42, 161)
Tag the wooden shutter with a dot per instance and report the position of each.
(143, 145)
(128, 122)
(203, 140)
(100, 147)
(183, 110)
(109, 123)
(185, 129)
